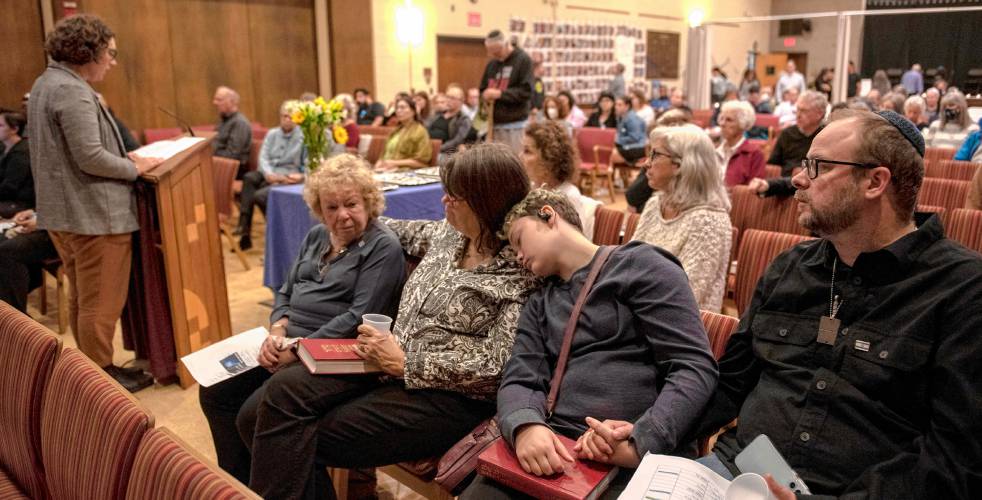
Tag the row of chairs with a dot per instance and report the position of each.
(71, 432)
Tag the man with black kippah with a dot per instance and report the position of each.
(859, 354)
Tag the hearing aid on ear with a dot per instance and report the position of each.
(545, 216)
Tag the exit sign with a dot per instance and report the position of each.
(790, 41)
(474, 19)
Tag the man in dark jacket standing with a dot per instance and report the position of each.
(507, 82)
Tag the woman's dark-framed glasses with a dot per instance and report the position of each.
(813, 165)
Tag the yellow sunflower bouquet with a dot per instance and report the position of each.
(316, 119)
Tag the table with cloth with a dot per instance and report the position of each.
(288, 219)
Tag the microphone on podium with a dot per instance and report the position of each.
(179, 120)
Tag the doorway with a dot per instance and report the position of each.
(459, 60)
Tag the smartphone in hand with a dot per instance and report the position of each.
(761, 457)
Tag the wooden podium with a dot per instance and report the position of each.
(185, 228)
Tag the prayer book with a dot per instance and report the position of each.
(333, 357)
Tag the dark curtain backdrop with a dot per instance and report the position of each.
(952, 40)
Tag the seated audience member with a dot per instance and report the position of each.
(740, 161)
(554, 110)
(893, 101)
(473, 103)
(349, 123)
(756, 100)
(234, 137)
(458, 124)
(677, 99)
(639, 191)
(409, 145)
(16, 180)
(437, 126)
(729, 94)
(688, 214)
(422, 102)
(661, 102)
(22, 251)
(604, 116)
(551, 161)
(915, 109)
(969, 149)
(631, 137)
(639, 324)
(280, 162)
(576, 117)
(859, 353)
(932, 97)
(792, 145)
(129, 142)
(442, 362)
(950, 130)
(641, 108)
(350, 264)
(391, 120)
(823, 82)
(786, 111)
(369, 111)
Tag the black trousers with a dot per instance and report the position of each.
(255, 191)
(20, 265)
(221, 404)
(299, 423)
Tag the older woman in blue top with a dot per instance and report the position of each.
(631, 137)
(350, 265)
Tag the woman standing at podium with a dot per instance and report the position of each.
(84, 185)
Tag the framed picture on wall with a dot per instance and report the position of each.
(662, 55)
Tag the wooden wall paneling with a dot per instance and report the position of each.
(352, 53)
(460, 60)
(143, 77)
(284, 54)
(22, 39)
(211, 47)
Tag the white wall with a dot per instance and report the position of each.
(821, 43)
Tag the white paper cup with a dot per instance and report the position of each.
(380, 322)
(748, 486)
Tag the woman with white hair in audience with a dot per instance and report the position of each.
(688, 214)
(740, 160)
(953, 124)
(915, 109)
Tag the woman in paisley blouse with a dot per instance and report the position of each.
(442, 363)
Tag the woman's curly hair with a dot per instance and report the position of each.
(78, 39)
(555, 148)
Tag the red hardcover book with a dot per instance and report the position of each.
(333, 356)
(582, 479)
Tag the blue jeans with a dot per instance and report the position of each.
(716, 465)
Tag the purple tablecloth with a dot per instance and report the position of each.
(288, 219)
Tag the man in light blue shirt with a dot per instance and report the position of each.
(913, 80)
(280, 162)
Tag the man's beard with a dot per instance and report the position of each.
(842, 212)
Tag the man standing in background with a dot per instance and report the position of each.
(507, 83)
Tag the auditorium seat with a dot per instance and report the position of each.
(964, 225)
(26, 360)
(938, 154)
(165, 468)
(772, 171)
(595, 146)
(951, 169)
(607, 226)
(631, 226)
(757, 250)
(767, 120)
(152, 135)
(90, 430)
(223, 171)
(254, 150)
(719, 328)
(773, 213)
(946, 193)
(435, 145)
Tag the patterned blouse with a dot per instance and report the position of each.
(457, 326)
(700, 237)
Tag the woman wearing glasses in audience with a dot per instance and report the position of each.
(441, 364)
(688, 214)
(551, 161)
(350, 264)
(409, 144)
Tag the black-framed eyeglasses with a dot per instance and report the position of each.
(812, 165)
(655, 154)
(112, 53)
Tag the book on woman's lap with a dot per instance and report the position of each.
(581, 480)
(333, 357)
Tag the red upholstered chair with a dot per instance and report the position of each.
(964, 225)
(757, 250)
(435, 145)
(631, 226)
(943, 193)
(90, 430)
(702, 117)
(951, 169)
(254, 149)
(761, 144)
(166, 468)
(595, 146)
(773, 213)
(767, 120)
(719, 328)
(258, 132)
(376, 147)
(771, 171)
(208, 127)
(26, 360)
(224, 170)
(607, 226)
(375, 131)
(932, 155)
(152, 135)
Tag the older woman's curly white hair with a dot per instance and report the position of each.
(743, 111)
(342, 171)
